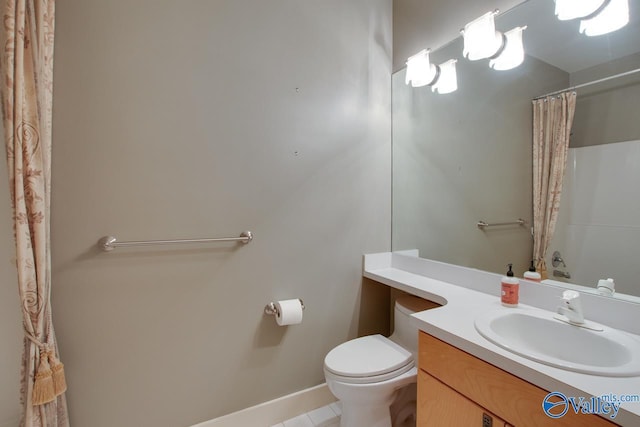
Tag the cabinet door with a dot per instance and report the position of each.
(514, 399)
(441, 406)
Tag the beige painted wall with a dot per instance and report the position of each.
(205, 118)
(10, 315)
(419, 24)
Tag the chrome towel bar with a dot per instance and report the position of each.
(109, 243)
(481, 224)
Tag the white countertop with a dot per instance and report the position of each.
(454, 324)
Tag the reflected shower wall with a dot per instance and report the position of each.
(598, 230)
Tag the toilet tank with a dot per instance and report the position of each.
(405, 333)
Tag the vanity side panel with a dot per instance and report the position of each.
(509, 397)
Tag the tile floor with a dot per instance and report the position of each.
(327, 416)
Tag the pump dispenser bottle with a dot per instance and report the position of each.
(510, 288)
(532, 274)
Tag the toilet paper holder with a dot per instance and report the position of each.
(272, 310)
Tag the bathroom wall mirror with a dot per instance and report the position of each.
(465, 157)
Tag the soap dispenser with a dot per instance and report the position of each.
(532, 274)
(510, 287)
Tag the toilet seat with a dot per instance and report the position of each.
(366, 360)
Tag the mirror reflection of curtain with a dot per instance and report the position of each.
(27, 89)
(552, 119)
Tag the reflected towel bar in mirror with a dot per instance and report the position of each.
(482, 225)
(109, 243)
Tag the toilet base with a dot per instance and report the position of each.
(401, 412)
(403, 408)
(368, 405)
(366, 415)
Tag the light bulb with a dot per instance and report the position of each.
(481, 40)
(448, 80)
(513, 53)
(420, 72)
(612, 18)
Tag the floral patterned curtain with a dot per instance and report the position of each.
(27, 88)
(552, 120)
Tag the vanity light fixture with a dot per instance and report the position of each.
(448, 80)
(481, 40)
(597, 17)
(612, 17)
(513, 53)
(574, 9)
(420, 71)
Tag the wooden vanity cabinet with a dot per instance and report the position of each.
(456, 389)
(440, 405)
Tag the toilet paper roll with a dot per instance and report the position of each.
(289, 312)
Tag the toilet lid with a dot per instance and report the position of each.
(367, 356)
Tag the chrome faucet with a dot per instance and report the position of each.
(563, 274)
(556, 259)
(571, 307)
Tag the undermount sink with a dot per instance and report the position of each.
(537, 335)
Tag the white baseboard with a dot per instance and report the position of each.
(275, 411)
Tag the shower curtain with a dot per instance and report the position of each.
(552, 120)
(27, 87)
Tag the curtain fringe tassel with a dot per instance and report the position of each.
(59, 381)
(50, 381)
(43, 390)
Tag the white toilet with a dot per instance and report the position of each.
(368, 373)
